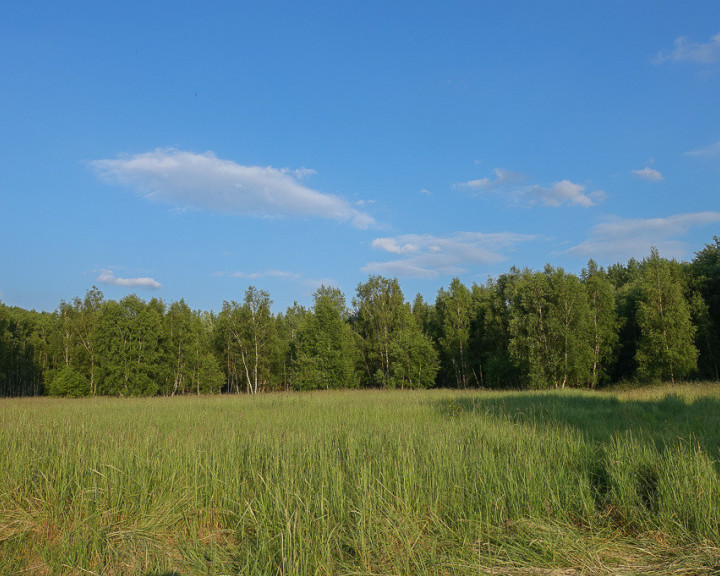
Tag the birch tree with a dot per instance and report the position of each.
(666, 348)
(327, 354)
(454, 316)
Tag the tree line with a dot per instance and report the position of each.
(643, 320)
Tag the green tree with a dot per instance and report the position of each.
(625, 279)
(387, 331)
(23, 351)
(128, 341)
(454, 309)
(288, 327)
(68, 382)
(666, 348)
(549, 329)
(189, 362)
(705, 271)
(492, 362)
(247, 336)
(327, 354)
(80, 317)
(415, 361)
(424, 314)
(604, 320)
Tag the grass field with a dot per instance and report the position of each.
(364, 482)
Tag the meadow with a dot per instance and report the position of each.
(363, 482)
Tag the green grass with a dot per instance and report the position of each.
(438, 482)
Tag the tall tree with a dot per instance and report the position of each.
(492, 362)
(414, 360)
(626, 280)
(23, 353)
(289, 325)
(604, 320)
(666, 348)
(327, 354)
(85, 318)
(190, 365)
(705, 270)
(454, 316)
(550, 329)
(248, 339)
(381, 316)
(128, 342)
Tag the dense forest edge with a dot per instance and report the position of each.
(649, 320)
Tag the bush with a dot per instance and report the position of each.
(68, 382)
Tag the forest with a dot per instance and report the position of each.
(649, 320)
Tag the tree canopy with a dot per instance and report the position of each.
(643, 320)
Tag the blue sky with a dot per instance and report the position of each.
(188, 150)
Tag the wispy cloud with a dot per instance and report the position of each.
(688, 51)
(428, 256)
(264, 274)
(309, 285)
(511, 185)
(712, 151)
(619, 239)
(565, 192)
(108, 277)
(503, 178)
(648, 173)
(204, 181)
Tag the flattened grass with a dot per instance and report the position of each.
(363, 482)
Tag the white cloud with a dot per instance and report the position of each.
(510, 184)
(564, 192)
(503, 178)
(619, 239)
(712, 151)
(266, 274)
(203, 181)
(648, 173)
(393, 246)
(109, 278)
(425, 192)
(428, 256)
(688, 51)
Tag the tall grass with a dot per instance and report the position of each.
(362, 483)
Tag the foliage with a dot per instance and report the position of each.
(247, 335)
(550, 329)
(68, 382)
(493, 364)
(327, 354)
(666, 348)
(705, 274)
(604, 320)
(454, 316)
(395, 351)
(641, 320)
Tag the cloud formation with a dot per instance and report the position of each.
(648, 173)
(204, 181)
(712, 151)
(619, 239)
(109, 278)
(511, 185)
(687, 51)
(428, 256)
